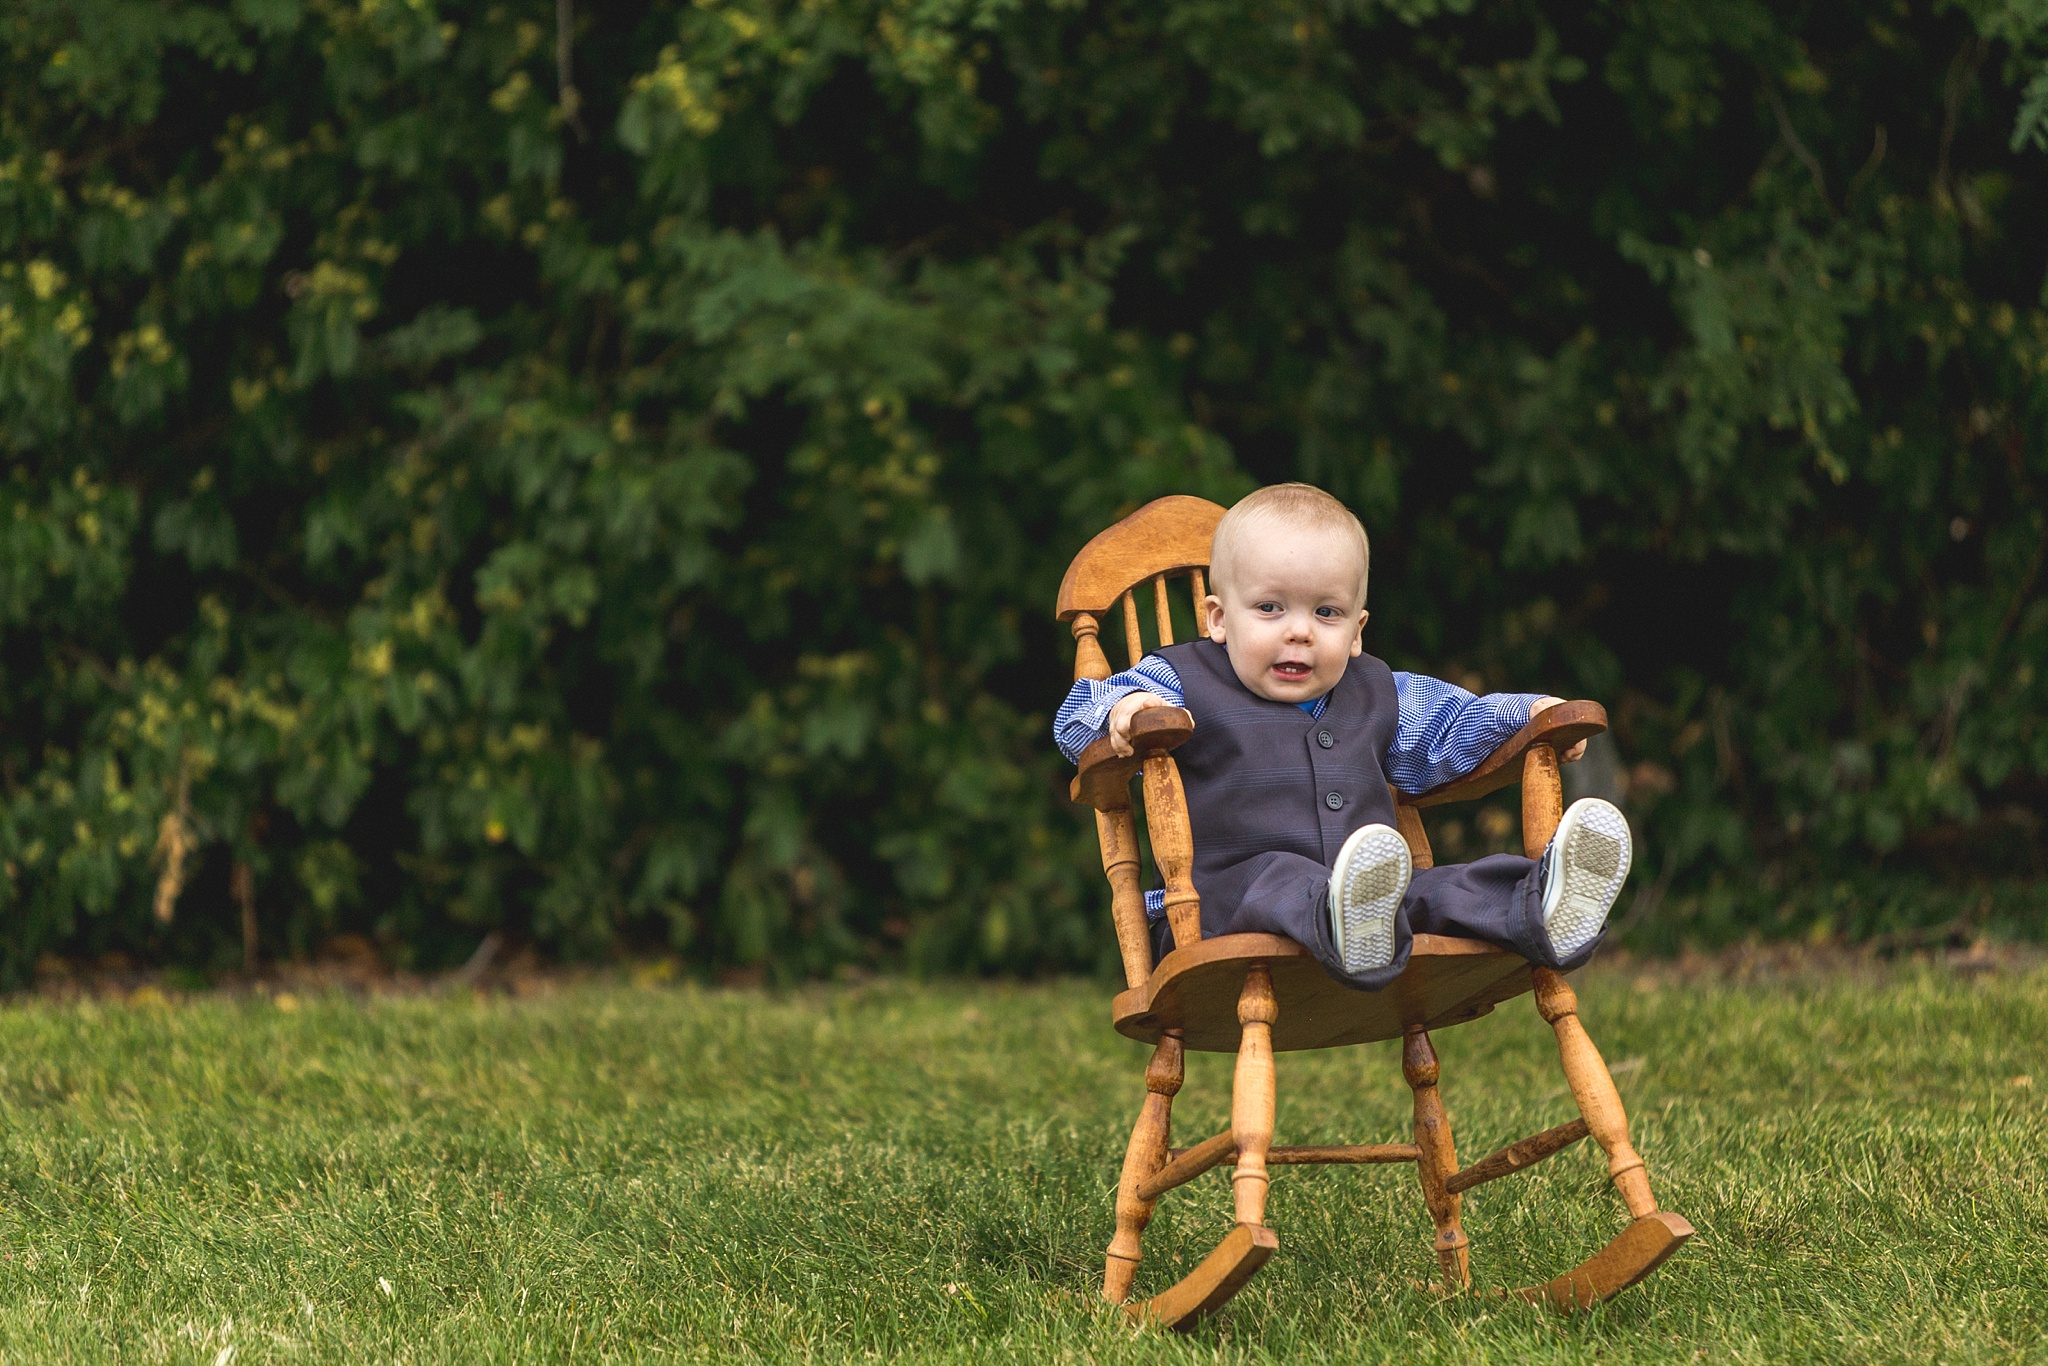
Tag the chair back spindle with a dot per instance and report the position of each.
(1409, 821)
(1162, 610)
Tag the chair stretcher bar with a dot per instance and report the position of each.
(1189, 1163)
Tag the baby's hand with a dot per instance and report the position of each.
(1120, 719)
(1576, 752)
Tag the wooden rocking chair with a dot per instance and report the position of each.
(1258, 994)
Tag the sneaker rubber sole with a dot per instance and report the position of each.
(1589, 859)
(1366, 887)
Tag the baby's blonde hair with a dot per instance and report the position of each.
(1299, 505)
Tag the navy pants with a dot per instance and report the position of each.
(1498, 898)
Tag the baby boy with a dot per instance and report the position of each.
(1298, 733)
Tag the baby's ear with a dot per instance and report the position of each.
(1212, 618)
(1358, 640)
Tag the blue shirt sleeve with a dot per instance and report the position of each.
(1445, 732)
(1084, 716)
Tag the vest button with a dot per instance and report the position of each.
(1325, 739)
(1334, 801)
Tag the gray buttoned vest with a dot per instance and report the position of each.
(1264, 777)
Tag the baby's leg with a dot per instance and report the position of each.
(1498, 898)
(1285, 894)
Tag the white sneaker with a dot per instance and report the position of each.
(1583, 870)
(1366, 887)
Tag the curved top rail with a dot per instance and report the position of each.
(1166, 536)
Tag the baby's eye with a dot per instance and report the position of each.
(1270, 607)
(1328, 613)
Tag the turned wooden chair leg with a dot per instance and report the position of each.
(1145, 1155)
(1593, 1088)
(1252, 1097)
(1438, 1160)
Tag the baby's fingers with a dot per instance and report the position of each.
(1120, 734)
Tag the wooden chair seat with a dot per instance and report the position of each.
(1195, 991)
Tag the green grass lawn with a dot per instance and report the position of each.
(893, 1170)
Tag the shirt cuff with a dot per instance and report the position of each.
(1088, 721)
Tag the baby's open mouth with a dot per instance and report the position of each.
(1292, 670)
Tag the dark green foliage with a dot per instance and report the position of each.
(631, 516)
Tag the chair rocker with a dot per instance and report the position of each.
(1258, 994)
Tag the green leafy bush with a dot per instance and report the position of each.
(609, 481)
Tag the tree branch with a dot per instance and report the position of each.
(1799, 148)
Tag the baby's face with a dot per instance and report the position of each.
(1290, 613)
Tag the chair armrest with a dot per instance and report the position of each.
(1104, 781)
(1560, 727)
